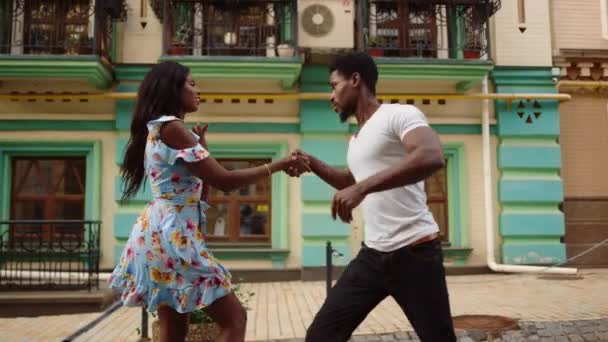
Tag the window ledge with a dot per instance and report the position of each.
(88, 68)
(285, 70)
(463, 74)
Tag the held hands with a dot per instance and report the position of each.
(295, 164)
(295, 171)
(201, 131)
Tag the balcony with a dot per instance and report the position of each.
(438, 29)
(245, 39)
(49, 255)
(58, 38)
(444, 40)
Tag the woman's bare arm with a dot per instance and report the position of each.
(176, 135)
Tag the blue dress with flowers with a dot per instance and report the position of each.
(166, 260)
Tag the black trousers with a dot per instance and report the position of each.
(414, 276)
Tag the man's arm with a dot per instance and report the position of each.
(424, 157)
(337, 178)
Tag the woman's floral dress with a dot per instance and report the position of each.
(165, 260)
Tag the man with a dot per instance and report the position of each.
(390, 156)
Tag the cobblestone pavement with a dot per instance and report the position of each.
(555, 331)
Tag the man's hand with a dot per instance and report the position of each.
(345, 201)
(301, 156)
(201, 131)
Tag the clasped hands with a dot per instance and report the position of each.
(297, 163)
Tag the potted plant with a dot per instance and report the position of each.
(375, 46)
(181, 40)
(472, 48)
(285, 50)
(202, 328)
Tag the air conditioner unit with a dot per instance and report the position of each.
(326, 23)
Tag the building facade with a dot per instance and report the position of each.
(580, 53)
(68, 90)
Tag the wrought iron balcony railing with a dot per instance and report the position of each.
(49, 254)
(228, 28)
(58, 27)
(443, 29)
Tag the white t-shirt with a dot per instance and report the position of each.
(397, 217)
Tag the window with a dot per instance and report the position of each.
(219, 28)
(47, 189)
(416, 36)
(242, 215)
(436, 188)
(57, 27)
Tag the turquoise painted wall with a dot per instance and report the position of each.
(529, 159)
(324, 136)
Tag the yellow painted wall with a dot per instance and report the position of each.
(475, 192)
(512, 48)
(137, 44)
(109, 170)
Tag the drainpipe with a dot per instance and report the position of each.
(489, 205)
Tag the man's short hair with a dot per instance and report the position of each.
(357, 62)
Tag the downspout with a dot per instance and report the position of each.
(489, 205)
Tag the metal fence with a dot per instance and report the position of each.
(49, 255)
(428, 29)
(55, 27)
(229, 28)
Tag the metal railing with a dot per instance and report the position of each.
(330, 252)
(441, 29)
(56, 27)
(105, 314)
(230, 28)
(49, 254)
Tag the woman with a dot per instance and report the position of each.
(166, 265)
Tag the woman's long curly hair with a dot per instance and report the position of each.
(160, 93)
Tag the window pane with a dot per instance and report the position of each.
(74, 179)
(436, 188)
(73, 210)
(26, 179)
(28, 210)
(242, 214)
(48, 188)
(254, 219)
(261, 188)
(217, 220)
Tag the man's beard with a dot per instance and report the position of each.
(344, 116)
(346, 113)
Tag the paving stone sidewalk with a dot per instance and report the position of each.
(547, 308)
